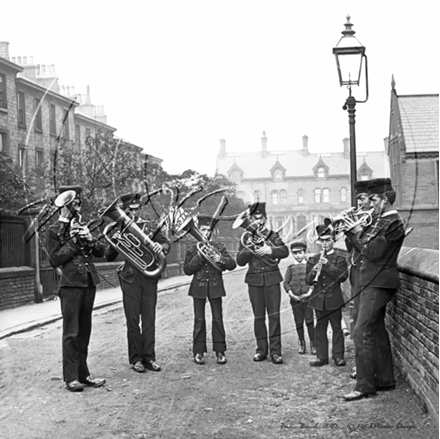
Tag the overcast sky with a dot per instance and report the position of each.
(176, 76)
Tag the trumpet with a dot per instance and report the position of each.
(253, 238)
(204, 247)
(357, 216)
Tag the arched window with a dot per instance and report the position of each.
(278, 175)
(364, 175)
(320, 172)
(274, 197)
(300, 195)
(343, 195)
(257, 195)
(317, 196)
(283, 197)
(326, 195)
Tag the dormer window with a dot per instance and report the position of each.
(278, 171)
(235, 176)
(320, 172)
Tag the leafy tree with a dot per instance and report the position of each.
(14, 191)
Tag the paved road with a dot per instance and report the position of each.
(241, 399)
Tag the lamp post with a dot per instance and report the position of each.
(350, 56)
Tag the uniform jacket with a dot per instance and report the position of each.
(379, 246)
(72, 257)
(207, 281)
(127, 271)
(327, 292)
(260, 273)
(295, 279)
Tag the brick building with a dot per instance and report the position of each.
(37, 115)
(298, 186)
(413, 150)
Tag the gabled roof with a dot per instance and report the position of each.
(419, 117)
(299, 165)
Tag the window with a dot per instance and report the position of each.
(77, 135)
(278, 174)
(21, 110)
(343, 195)
(279, 220)
(38, 124)
(283, 197)
(274, 197)
(317, 196)
(87, 133)
(326, 195)
(240, 195)
(66, 128)
(3, 101)
(21, 156)
(300, 195)
(257, 195)
(301, 220)
(39, 158)
(235, 176)
(364, 175)
(320, 172)
(3, 145)
(52, 120)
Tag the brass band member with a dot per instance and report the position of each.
(207, 284)
(70, 247)
(378, 280)
(263, 281)
(139, 295)
(326, 271)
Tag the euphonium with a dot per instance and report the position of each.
(132, 242)
(358, 216)
(253, 238)
(204, 247)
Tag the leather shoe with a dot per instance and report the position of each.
(139, 367)
(259, 357)
(353, 373)
(386, 388)
(221, 358)
(151, 365)
(198, 359)
(93, 382)
(74, 386)
(339, 362)
(355, 395)
(277, 359)
(318, 362)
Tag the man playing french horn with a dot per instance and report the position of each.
(262, 250)
(207, 284)
(139, 294)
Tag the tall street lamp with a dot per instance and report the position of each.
(350, 56)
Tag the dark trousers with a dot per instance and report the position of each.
(264, 300)
(334, 316)
(374, 364)
(76, 309)
(355, 296)
(218, 329)
(303, 313)
(139, 299)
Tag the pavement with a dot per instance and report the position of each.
(27, 317)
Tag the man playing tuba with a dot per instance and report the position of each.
(207, 283)
(139, 295)
(263, 278)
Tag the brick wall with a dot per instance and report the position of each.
(16, 286)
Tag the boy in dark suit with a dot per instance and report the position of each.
(71, 249)
(207, 284)
(263, 278)
(326, 271)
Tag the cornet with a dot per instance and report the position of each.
(355, 216)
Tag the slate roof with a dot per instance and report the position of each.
(419, 116)
(299, 165)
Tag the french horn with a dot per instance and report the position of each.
(130, 241)
(253, 238)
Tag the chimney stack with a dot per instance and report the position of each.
(346, 141)
(222, 153)
(305, 145)
(264, 152)
(4, 50)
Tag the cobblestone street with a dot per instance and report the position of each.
(241, 399)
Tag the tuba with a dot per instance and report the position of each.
(253, 238)
(204, 247)
(132, 242)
